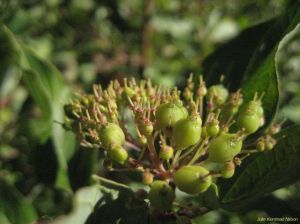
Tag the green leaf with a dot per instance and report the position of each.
(6, 53)
(264, 172)
(84, 201)
(287, 64)
(264, 80)
(232, 58)
(14, 206)
(81, 167)
(99, 204)
(50, 77)
(38, 92)
(248, 62)
(122, 210)
(47, 88)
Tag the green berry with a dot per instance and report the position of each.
(261, 145)
(147, 177)
(212, 129)
(168, 114)
(111, 135)
(118, 154)
(161, 195)
(224, 147)
(249, 121)
(192, 179)
(253, 107)
(218, 93)
(142, 140)
(187, 132)
(145, 128)
(166, 152)
(129, 92)
(228, 170)
(270, 145)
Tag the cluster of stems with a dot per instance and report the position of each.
(159, 131)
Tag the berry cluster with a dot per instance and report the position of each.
(174, 140)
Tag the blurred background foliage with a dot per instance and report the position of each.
(95, 41)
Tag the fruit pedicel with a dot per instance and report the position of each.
(183, 141)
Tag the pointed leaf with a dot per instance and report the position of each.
(264, 172)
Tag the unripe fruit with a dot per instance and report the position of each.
(224, 147)
(168, 114)
(261, 145)
(166, 152)
(145, 128)
(118, 154)
(129, 92)
(161, 195)
(274, 129)
(270, 145)
(249, 121)
(111, 135)
(187, 132)
(212, 129)
(254, 106)
(218, 93)
(192, 179)
(147, 177)
(142, 140)
(228, 170)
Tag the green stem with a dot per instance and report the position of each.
(110, 183)
(198, 152)
(176, 158)
(153, 155)
(245, 151)
(200, 105)
(189, 151)
(142, 154)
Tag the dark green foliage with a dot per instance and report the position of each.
(50, 48)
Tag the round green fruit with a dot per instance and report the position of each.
(253, 107)
(224, 147)
(249, 121)
(192, 179)
(161, 195)
(218, 93)
(147, 178)
(166, 152)
(227, 173)
(129, 92)
(168, 114)
(118, 154)
(145, 129)
(228, 170)
(212, 129)
(187, 132)
(111, 135)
